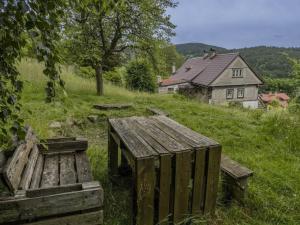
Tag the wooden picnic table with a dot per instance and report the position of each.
(175, 169)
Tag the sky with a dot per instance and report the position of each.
(237, 23)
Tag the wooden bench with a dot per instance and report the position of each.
(156, 111)
(235, 179)
(50, 183)
(175, 170)
(112, 106)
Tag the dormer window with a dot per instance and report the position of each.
(237, 73)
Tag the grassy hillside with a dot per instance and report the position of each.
(268, 143)
(267, 61)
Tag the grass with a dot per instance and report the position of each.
(266, 142)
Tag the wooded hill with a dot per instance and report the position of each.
(267, 61)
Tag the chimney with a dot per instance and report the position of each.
(205, 55)
(213, 53)
(173, 68)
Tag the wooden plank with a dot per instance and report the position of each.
(177, 135)
(50, 176)
(13, 170)
(186, 132)
(112, 153)
(160, 136)
(90, 218)
(165, 179)
(65, 146)
(50, 205)
(37, 173)
(234, 169)
(29, 169)
(32, 193)
(112, 106)
(135, 144)
(213, 169)
(182, 181)
(157, 111)
(59, 139)
(67, 169)
(141, 132)
(145, 185)
(199, 182)
(83, 167)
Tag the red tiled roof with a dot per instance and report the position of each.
(171, 81)
(267, 98)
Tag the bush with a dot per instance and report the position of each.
(139, 76)
(85, 72)
(115, 76)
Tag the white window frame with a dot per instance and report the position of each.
(237, 72)
(243, 93)
(227, 92)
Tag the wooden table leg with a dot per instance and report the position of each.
(165, 179)
(145, 185)
(182, 180)
(112, 155)
(213, 170)
(199, 182)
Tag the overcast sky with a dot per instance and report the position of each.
(238, 23)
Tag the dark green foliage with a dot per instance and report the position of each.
(115, 76)
(85, 72)
(99, 38)
(20, 20)
(279, 85)
(271, 61)
(139, 76)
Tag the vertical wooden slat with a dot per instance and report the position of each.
(182, 179)
(67, 169)
(50, 175)
(37, 174)
(164, 188)
(199, 182)
(213, 169)
(28, 172)
(83, 168)
(145, 184)
(112, 155)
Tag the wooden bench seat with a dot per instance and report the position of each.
(235, 179)
(49, 181)
(156, 111)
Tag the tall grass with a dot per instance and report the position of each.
(266, 142)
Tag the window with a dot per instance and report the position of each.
(170, 90)
(229, 93)
(237, 73)
(240, 92)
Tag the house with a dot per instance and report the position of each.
(282, 98)
(216, 79)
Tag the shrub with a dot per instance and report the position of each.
(235, 104)
(85, 72)
(139, 76)
(115, 76)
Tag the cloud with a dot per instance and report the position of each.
(238, 23)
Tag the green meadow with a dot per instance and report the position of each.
(266, 142)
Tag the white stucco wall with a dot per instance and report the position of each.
(165, 89)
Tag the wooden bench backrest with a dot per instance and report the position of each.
(18, 165)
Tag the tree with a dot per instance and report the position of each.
(20, 20)
(99, 37)
(139, 76)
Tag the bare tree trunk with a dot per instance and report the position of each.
(99, 80)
